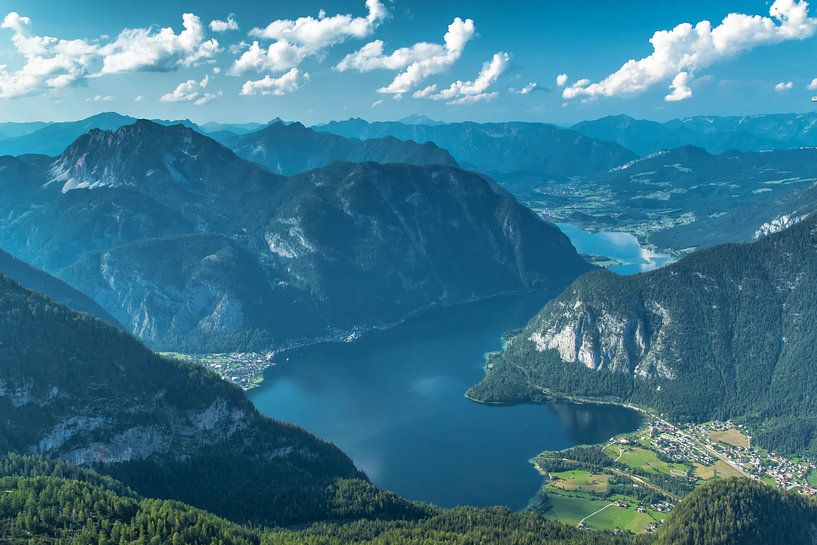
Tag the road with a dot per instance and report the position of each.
(581, 522)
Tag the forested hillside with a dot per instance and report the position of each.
(75, 388)
(725, 333)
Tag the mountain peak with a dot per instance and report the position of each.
(135, 154)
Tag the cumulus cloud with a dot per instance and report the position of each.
(687, 49)
(218, 25)
(100, 98)
(50, 63)
(281, 85)
(54, 63)
(813, 85)
(470, 92)
(139, 98)
(784, 86)
(527, 89)
(561, 80)
(295, 40)
(145, 49)
(416, 63)
(680, 88)
(191, 91)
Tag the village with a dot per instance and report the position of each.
(244, 369)
(705, 444)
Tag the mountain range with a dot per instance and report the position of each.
(722, 334)
(189, 246)
(713, 133)
(500, 147)
(291, 148)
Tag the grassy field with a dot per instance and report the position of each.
(581, 481)
(647, 460)
(618, 517)
(812, 477)
(573, 508)
(732, 437)
(719, 469)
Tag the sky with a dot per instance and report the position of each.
(319, 60)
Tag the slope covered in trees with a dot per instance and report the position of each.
(44, 501)
(726, 333)
(75, 388)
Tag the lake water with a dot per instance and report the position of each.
(393, 401)
(623, 247)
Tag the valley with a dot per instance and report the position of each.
(382, 272)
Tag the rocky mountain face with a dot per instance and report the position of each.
(291, 148)
(184, 242)
(723, 333)
(501, 147)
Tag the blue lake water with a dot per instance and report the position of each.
(394, 402)
(621, 246)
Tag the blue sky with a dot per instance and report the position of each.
(384, 59)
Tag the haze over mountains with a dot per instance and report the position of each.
(335, 249)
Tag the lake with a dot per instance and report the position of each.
(394, 402)
(623, 247)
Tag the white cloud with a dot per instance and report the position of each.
(376, 103)
(680, 88)
(54, 63)
(50, 63)
(784, 86)
(294, 41)
(416, 62)
(144, 49)
(813, 85)
(191, 91)
(100, 98)
(561, 80)
(469, 92)
(527, 89)
(139, 98)
(218, 25)
(687, 49)
(281, 85)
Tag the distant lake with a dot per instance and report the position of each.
(623, 247)
(394, 402)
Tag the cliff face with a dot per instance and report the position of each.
(598, 337)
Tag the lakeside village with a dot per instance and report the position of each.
(705, 443)
(244, 369)
(632, 481)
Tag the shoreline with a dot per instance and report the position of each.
(351, 335)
